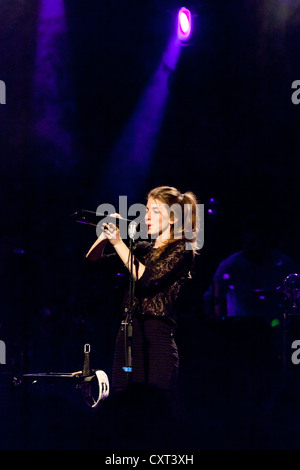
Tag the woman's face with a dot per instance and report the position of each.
(158, 218)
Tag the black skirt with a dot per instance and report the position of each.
(154, 356)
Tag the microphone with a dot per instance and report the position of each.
(132, 227)
(126, 226)
(93, 218)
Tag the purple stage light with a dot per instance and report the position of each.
(184, 24)
(52, 98)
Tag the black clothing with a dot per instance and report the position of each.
(154, 356)
(154, 351)
(158, 288)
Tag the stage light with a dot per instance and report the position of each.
(184, 24)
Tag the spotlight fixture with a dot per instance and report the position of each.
(184, 24)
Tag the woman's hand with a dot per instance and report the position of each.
(111, 231)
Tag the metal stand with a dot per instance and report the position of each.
(83, 380)
(127, 322)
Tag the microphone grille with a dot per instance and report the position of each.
(132, 229)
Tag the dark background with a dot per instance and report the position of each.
(230, 132)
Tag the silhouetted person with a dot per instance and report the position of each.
(246, 284)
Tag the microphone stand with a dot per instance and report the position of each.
(93, 218)
(127, 323)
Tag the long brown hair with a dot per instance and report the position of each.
(184, 213)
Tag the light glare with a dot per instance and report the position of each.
(184, 22)
(184, 25)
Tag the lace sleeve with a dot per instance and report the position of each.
(174, 263)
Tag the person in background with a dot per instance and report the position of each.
(248, 283)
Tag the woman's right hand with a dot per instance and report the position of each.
(111, 231)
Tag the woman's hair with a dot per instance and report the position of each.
(183, 211)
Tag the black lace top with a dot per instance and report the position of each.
(157, 291)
